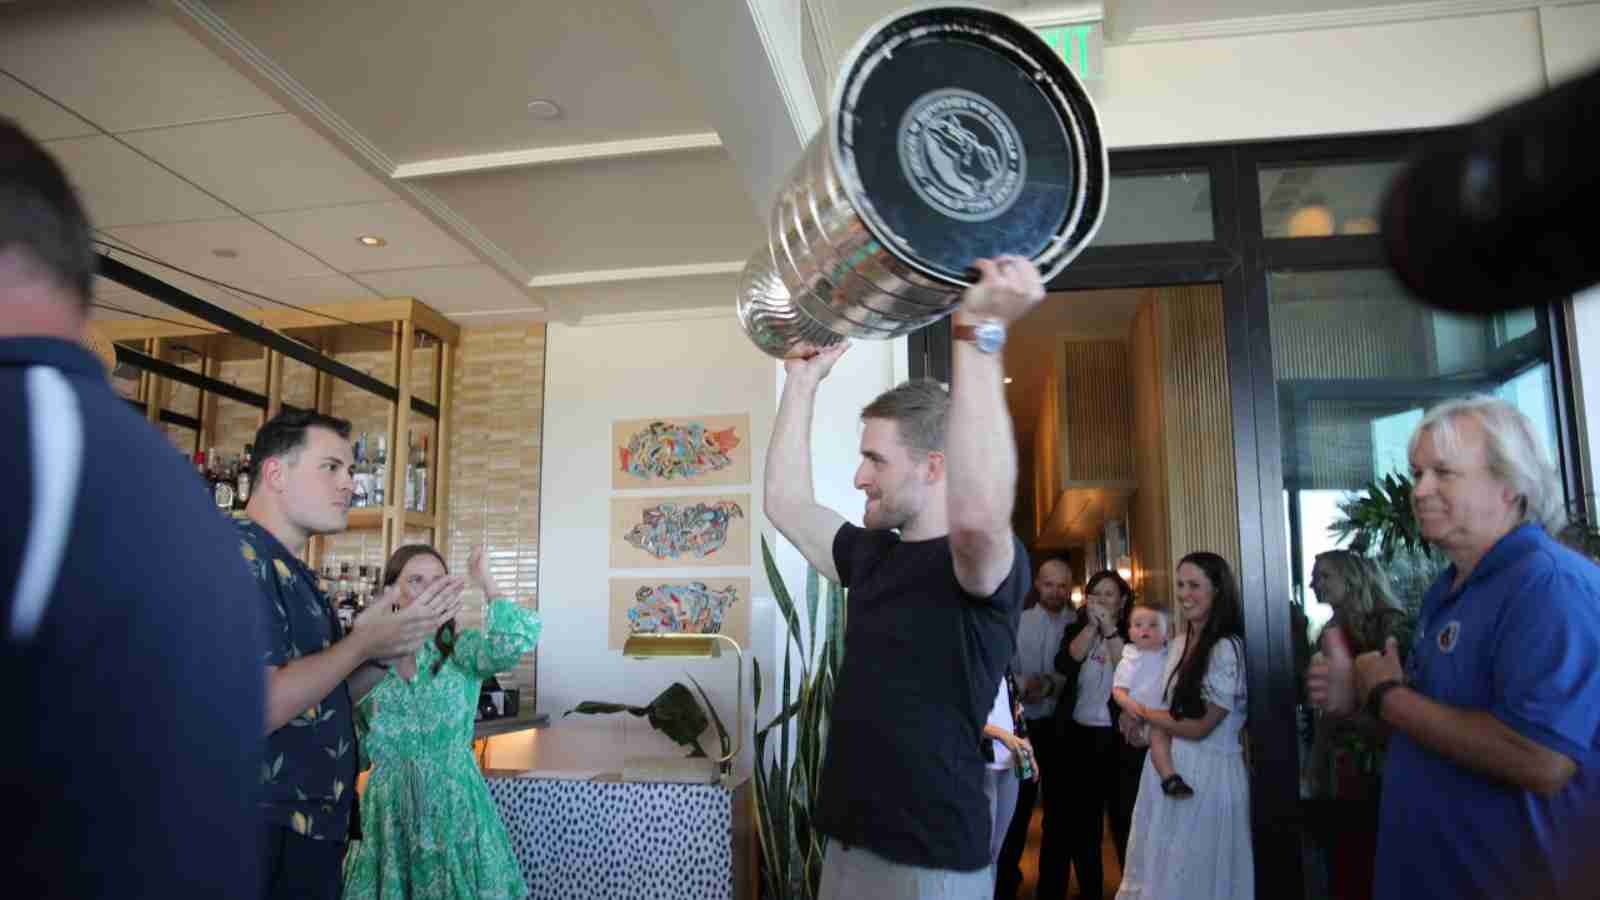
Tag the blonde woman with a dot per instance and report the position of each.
(1347, 752)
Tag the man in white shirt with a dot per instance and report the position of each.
(1038, 641)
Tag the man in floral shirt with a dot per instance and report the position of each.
(302, 486)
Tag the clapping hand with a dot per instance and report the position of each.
(386, 631)
(478, 565)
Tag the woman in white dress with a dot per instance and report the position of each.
(1198, 847)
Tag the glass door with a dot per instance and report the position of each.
(1356, 363)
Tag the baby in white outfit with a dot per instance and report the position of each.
(1138, 679)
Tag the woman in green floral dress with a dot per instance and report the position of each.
(429, 827)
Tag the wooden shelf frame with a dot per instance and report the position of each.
(308, 335)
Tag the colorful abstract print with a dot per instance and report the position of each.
(675, 531)
(691, 608)
(665, 451)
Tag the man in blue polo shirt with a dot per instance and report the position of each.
(936, 584)
(1492, 782)
(133, 688)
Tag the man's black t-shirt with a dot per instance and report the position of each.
(903, 776)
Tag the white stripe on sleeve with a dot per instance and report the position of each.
(55, 432)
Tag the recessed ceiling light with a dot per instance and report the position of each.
(225, 253)
(372, 240)
(543, 109)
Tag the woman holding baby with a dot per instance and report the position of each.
(1193, 841)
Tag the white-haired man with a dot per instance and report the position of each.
(1491, 787)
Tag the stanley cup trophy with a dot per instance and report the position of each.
(955, 134)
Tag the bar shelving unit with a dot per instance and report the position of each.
(194, 339)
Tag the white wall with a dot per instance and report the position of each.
(698, 362)
(1365, 78)
(670, 365)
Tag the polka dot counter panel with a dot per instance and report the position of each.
(619, 841)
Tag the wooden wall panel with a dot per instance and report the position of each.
(1147, 514)
(1041, 494)
(1203, 509)
(1099, 404)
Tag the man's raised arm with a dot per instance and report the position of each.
(791, 501)
(980, 451)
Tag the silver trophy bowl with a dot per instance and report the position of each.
(955, 134)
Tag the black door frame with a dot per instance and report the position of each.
(1239, 258)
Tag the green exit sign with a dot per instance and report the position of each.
(1079, 46)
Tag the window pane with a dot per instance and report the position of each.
(1158, 208)
(1323, 200)
(1357, 363)
(1515, 324)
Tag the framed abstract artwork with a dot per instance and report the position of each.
(680, 605)
(685, 451)
(673, 532)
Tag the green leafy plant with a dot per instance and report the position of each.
(1378, 521)
(787, 784)
(674, 712)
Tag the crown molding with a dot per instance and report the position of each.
(823, 26)
(211, 28)
(513, 313)
(442, 213)
(1333, 18)
(544, 156)
(645, 273)
(784, 55)
(1060, 14)
(657, 315)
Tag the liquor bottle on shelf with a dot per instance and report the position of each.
(380, 472)
(361, 474)
(364, 589)
(221, 484)
(422, 476)
(241, 485)
(411, 474)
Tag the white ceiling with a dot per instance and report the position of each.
(253, 143)
(426, 80)
(1131, 15)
